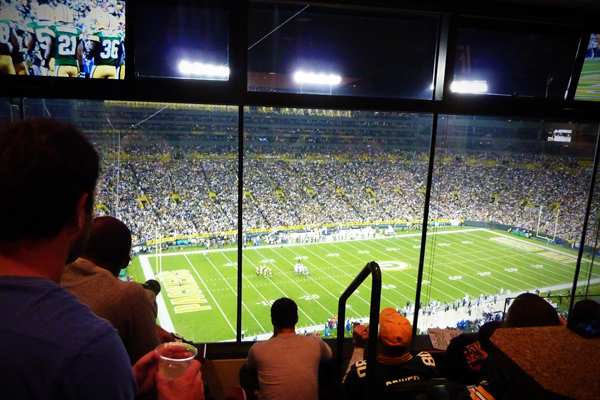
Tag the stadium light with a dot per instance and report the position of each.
(469, 86)
(317, 79)
(206, 70)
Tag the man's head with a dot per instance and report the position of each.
(395, 332)
(284, 313)
(109, 244)
(585, 311)
(46, 170)
(529, 310)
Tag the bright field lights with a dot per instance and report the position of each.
(207, 70)
(469, 86)
(317, 79)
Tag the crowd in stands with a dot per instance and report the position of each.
(177, 173)
(197, 192)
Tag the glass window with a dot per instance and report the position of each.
(515, 60)
(589, 274)
(312, 49)
(506, 214)
(169, 171)
(182, 40)
(325, 192)
(8, 112)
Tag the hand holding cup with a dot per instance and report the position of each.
(175, 358)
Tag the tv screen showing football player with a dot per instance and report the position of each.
(68, 38)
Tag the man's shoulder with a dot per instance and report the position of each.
(313, 339)
(81, 271)
(47, 326)
(49, 312)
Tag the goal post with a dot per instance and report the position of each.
(158, 243)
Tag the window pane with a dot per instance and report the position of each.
(340, 51)
(183, 40)
(508, 202)
(525, 61)
(590, 270)
(169, 171)
(325, 192)
(8, 112)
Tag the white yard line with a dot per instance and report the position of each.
(322, 287)
(342, 271)
(382, 296)
(244, 304)
(211, 295)
(402, 282)
(498, 270)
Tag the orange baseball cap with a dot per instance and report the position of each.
(394, 329)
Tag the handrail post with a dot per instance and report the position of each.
(372, 268)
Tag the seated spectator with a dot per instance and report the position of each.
(287, 363)
(454, 365)
(585, 317)
(53, 346)
(93, 279)
(395, 364)
(109, 248)
(529, 310)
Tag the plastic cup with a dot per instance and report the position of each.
(175, 358)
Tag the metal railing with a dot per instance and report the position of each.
(372, 268)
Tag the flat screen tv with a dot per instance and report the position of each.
(82, 39)
(588, 88)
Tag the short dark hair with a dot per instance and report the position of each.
(529, 310)
(109, 241)
(284, 313)
(45, 167)
(585, 311)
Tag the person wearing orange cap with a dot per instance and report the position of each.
(395, 363)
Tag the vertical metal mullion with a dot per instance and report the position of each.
(425, 221)
(585, 222)
(444, 70)
(578, 64)
(444, 64)
(242, 80)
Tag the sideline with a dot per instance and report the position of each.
(164, 319)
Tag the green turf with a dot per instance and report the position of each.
(458, 262)
(588, 87)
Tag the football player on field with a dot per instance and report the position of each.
(66, 45)
(106, 45)
(9, 42)
(39, 39)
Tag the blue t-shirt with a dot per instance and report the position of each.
(54, 347)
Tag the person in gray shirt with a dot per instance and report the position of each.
(287, 363)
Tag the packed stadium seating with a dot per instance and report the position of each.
(177, 173)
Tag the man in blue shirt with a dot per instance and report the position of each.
(52, 346)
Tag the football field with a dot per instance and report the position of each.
(199, 288)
